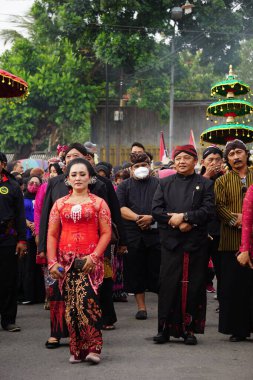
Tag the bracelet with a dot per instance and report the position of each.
(51, 263)
(94, 257)
(138, 217)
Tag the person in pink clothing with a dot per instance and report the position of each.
(54, 169)
(38, 208)
(166, 173)
(245, 257)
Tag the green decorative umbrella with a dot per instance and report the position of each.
(230, 108)
(221, 134)
(230, 85)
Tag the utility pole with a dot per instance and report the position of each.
(107, 127)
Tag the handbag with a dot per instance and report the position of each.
(115, 234)
(41, 260)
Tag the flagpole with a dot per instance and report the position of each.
(165, 149)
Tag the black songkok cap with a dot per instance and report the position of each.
(104, 168)
(212, 149)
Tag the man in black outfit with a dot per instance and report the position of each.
(212, 160)
(142, 261)
(12, 244)
(182, 205)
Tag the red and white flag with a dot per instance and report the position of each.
(192, 139)
(163, 150)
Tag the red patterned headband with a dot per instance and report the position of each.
(189, 149)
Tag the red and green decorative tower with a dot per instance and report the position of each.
(232, 108)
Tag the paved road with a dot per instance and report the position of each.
(129, 352)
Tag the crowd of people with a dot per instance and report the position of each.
(83, 235)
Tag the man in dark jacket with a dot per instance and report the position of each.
(182, 206)
(12, 244)
(142, 261)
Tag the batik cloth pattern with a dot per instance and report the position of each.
(118, 286)
(83, 315)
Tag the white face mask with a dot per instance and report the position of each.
(141, 173)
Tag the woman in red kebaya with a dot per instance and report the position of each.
(80, 228)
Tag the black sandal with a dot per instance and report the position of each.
(55, 344)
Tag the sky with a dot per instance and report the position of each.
(8, 10)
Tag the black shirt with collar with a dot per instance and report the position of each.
(12, 212)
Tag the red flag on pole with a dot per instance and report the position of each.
(192, 139)
(163, 150)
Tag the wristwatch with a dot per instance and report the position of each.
(185, 217)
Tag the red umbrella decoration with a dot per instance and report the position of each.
(12, 86)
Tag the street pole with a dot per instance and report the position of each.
(120, 122)
(107, 127)
(172, 80)
(176, 15)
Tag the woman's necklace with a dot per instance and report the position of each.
(76, 209)
(76, 212)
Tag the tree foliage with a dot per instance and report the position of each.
(71, 41)
(59, 98)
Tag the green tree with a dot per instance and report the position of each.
(58, 100)
(71, 41)
(245, 69)
(196, 78)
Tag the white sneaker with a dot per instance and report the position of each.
(92, 357)
(72, 360)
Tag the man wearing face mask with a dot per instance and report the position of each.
(142, 261)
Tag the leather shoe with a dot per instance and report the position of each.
(161, 338)
(141, 315)
(235, 338)
(190, 340)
